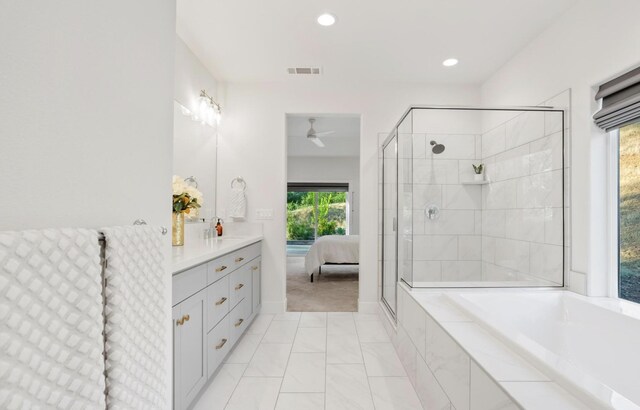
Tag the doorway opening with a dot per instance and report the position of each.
(323, 178)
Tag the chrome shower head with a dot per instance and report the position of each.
(437, 148)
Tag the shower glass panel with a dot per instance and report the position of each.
(390, 223)
(481, 197)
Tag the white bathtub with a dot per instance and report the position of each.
(589, 345)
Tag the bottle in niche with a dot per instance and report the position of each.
(219, 227)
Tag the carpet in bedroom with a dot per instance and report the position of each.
(336, 290)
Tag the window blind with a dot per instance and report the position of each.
(317, 187)
(620, 101)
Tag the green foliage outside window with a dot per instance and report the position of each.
(301, 214)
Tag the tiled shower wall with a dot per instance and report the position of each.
(448, 248)
(522, 207)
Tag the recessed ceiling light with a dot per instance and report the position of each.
(450, 62)
(326, 19)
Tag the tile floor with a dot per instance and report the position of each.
(309, 361)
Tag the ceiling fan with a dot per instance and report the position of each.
(313, 136)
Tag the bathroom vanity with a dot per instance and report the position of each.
(216, 295)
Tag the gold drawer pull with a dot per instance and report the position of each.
(222, 343)
(221, 268)
(254, 268)
(239, 322)
(240, 259)
(221, 301)
(240, 286)
(183, 319)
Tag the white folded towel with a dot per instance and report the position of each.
(238, 203)
(136, 319)
(51, 320)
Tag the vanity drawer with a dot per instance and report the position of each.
(239, 319)
(187, 283)
(219, 268)
(244, 255)
(239, 285)
(219, 342)
(217, 301)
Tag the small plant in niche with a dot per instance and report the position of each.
(478, 168)
(479, 172)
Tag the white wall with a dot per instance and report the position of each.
(330, 169)
(252, 143)
(588, 45)
(194, 144)
(191, 76)
(86, 114)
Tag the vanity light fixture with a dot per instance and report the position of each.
(206, 110)
(209, 110)
(450, 62)
(326, 19)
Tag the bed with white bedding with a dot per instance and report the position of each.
(334, 250)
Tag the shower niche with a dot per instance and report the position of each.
(473, 197)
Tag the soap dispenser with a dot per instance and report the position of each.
(219, 227)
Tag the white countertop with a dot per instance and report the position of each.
(195, 252)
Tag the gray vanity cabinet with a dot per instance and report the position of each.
(213, 305)
(190, 366)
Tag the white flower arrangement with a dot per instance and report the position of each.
(185, 196)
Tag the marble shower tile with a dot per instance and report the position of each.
(449, 364)
(381, 359)
(305, 373)
(310, 340)
(487, 394)
(281, 331)
(300, 401)
(255, 393)
(313, 319)
(270, 360)
(216, 396)
(393, 393)
(371, 331)
(348, 388)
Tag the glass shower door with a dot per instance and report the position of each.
(390, 223)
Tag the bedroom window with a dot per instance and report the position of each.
(315, 210)
(629, 212)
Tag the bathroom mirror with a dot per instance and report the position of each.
(195, 155)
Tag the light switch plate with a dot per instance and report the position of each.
(264, 214)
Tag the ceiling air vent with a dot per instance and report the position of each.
(303, 70)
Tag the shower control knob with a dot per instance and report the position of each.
(432, 212)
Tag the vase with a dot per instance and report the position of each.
(177, 229)
(478, 177)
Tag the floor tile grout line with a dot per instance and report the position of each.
(247, 364)
(366, 373)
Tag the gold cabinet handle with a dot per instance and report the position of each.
(221, 268)
(240, 259)
(183, 319)
(239, 322)
(240, 286)
(254, 268)
(222, 343)
(221, 301)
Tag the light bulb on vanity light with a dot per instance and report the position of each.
(326, 19)
(450, 62)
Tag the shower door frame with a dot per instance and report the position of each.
(539, 108)
(392, 311)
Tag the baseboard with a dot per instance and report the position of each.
(273, 308)
(367, 307)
